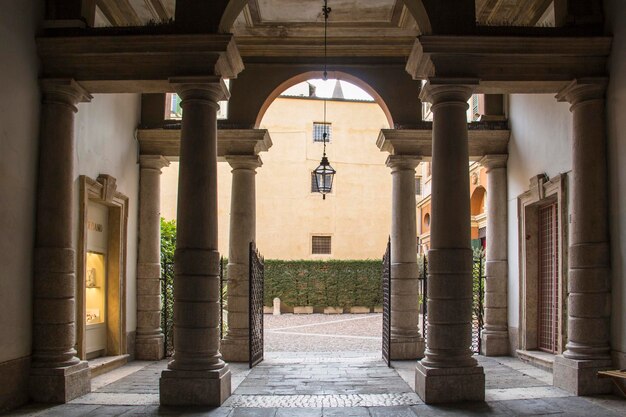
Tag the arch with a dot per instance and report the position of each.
(415, 7)
(339, 75)
(477, 201)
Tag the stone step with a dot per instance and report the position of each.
(103, 364)
(538, 358)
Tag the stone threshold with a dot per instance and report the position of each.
(538, 358)
(103, 364)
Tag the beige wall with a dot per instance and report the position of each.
(358, 212)
(616, 103)
(105, 144)
(19, 129)
(541, 139)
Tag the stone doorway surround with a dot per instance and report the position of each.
(541, 191)
(103, 190)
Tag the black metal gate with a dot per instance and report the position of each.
(423, 275)
(478, 274)
(255, 278)
(478, 277)
(387, 305)
(223, 298)
(167, 308)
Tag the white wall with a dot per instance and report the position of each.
(105, 144)
(541, 138)
(19, 129)
(616, 129)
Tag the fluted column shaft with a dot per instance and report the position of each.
(495, 336)
(406, 340)
(149, 341)
(57, 374)
(242, 232)
(197, 374)
(448, 360)
(589, 301)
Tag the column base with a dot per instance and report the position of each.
(59, 385)
(449, 385)
(495, 344)
(209, 388)
(235, 350)
(150, 348)
(581, 377)
(407, 348)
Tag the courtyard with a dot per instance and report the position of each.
(330, 365)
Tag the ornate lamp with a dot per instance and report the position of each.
(324, 173)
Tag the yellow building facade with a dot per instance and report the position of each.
(355, 219)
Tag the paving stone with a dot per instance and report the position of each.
(346, 412)
(461, 409)
(253, 412)
(299, 412)
(69, 410)
(391, 412)
(531, 407)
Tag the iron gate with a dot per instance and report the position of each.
(167, 308)
(387, 304)
(255, 279)
(478, 277)
(223, 299)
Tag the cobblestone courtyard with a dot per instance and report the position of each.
(336, 382)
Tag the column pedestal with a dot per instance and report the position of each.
(236, 343)
(448, 372)
(57, 375)
(589, 302)
(197, 375)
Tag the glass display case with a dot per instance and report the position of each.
(95, 288)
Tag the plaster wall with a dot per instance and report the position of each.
(19, 131)
(357, 214)
(541, 140)
(105, 144)
(616, 129)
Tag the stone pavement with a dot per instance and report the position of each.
(339, 384)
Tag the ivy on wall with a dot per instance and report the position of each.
(324, 283)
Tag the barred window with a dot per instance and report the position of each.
(418, 185)
(318, 131)
(321, 245)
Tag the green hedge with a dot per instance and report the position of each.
(324, 283)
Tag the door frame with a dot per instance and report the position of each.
(542, 191)
(103, 190)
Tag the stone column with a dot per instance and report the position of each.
(448, 372)
(149, 340)
(495, 334)
(57, 375)
(236, 344)
(197, 375)
(406, 340)
(589, 302)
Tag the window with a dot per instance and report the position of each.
(418, 185)
(318, 131)
(320, 245)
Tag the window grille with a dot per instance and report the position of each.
(318, 132)
(321, 245)
(548, 279)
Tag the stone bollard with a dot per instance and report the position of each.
(277, 306)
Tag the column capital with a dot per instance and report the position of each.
(65, 91)
(251, 162)
(583, 89)
(448, 90)
(210, 88)
(403, 162)
(156, 162)
(493, 161)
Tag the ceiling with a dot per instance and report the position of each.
(515, 12)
